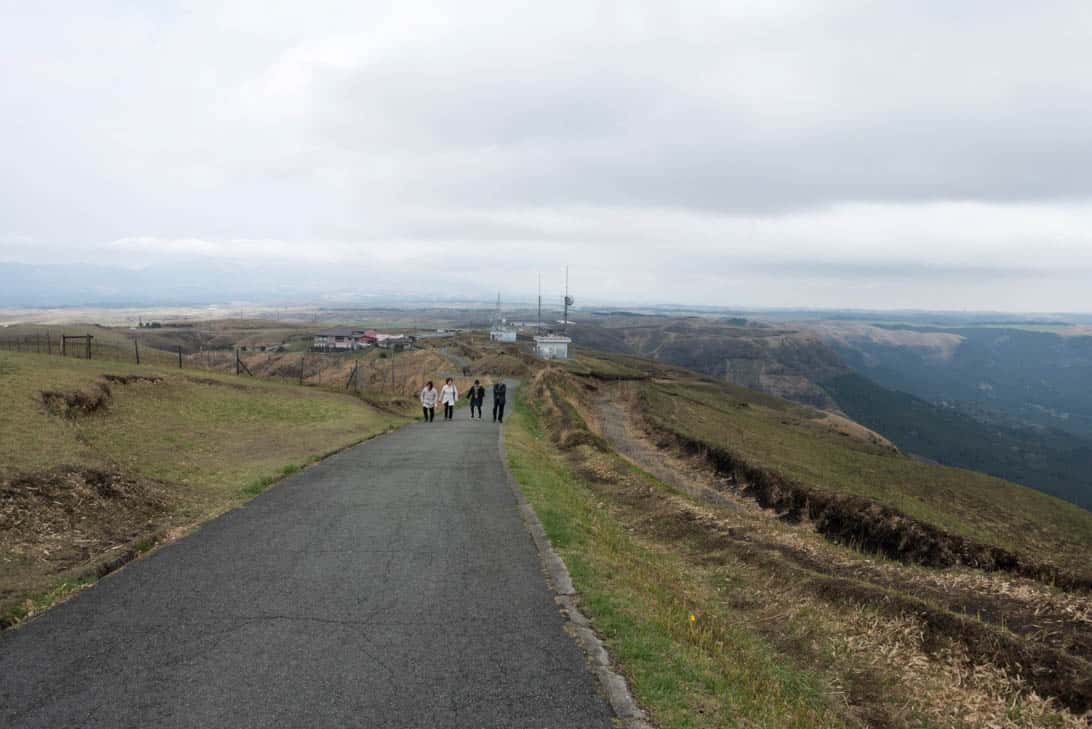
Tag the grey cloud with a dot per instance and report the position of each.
(666, 146)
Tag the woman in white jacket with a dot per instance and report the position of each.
(428, 401)
(449, 396)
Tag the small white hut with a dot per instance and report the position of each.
(552, 346)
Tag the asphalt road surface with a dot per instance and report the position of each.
(392, 585)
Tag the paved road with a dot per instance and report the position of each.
(392, 585)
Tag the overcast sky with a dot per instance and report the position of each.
(823, 154)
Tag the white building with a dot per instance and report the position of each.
(552, 346)
(336, 339)
(502, 335)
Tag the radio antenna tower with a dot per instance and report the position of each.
(568, 301)
(538, 330)
(497, 314)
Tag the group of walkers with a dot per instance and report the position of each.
(449, 395)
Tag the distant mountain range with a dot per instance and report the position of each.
(203, 283)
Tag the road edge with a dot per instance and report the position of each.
(612, 683)
(148, 544)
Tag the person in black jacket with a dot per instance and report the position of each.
(500, 391)
(476, 394)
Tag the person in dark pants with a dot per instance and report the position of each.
(428, 401)
(449, 395)
(500, 391)
(477, 397)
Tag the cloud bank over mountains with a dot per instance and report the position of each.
(895, 155)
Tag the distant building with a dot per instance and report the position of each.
(552, 346)
(339, 339)
(502, 335)
(391, 341)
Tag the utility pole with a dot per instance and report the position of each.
(538, 329)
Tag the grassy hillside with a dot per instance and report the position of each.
(791, 442)
(98, 456)
(1054, 461)
(723, 613)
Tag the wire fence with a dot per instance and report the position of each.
(388, 371)
(86, 346)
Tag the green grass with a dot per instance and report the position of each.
(710, 671)
(209, 433)
(39, 601)
(788, 439)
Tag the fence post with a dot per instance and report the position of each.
(49, 343)
(89, 338)
(37, 342)
(179, 356)
(303, 356)
(64, 345)
(136, 350)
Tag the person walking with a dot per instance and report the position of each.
(449, 395)
(428, 401)
(477, 397)
(500, 392)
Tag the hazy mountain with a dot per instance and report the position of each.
(198, 283)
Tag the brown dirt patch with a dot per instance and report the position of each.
(133, 379)
(77, 403)
(94, 398)
(217, 383)
(54, 521)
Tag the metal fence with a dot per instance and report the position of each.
(85, 346)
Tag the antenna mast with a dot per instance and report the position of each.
(568, 302)
(538, 329)
(497, 314)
